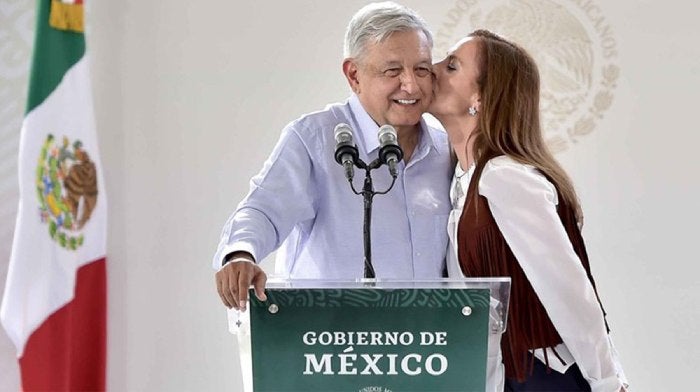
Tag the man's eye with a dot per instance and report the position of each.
(422, 72)
(392, 72)
(451, 67)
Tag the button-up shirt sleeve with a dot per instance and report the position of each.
(523, 203)
(279, 198)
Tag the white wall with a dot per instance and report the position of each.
(16, 35)
(191, 96)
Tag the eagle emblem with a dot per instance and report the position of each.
(66, 181)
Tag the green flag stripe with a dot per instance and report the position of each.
(55, 51)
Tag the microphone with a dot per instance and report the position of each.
(345, 149)
(389, 151)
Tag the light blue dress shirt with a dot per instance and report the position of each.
(302, 202)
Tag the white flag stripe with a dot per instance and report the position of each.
(42, 272)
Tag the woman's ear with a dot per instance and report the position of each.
(476, 101)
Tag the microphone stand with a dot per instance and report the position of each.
(368, 194)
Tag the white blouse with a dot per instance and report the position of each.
(523, 203)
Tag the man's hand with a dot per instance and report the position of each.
(234, 279)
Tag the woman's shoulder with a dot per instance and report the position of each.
(506, 162)
(504, 175)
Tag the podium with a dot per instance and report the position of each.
(372, 335)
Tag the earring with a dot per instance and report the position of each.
(472, 111)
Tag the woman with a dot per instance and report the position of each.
(515, 214)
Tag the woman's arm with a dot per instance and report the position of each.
(523, 203)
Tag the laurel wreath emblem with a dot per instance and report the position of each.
(575, 49)
(66, 184)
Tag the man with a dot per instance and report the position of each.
(301, 199)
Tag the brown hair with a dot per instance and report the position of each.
(509, 118)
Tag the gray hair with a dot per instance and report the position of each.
(375, 22)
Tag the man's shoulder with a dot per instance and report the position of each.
(436, 131)
(437, 134)
(326, 119)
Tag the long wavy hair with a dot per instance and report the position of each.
(509, 114)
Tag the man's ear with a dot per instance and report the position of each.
(350, 69)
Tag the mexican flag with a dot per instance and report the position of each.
(54, 305)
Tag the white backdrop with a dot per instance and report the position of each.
(191, 96)
(16, 37)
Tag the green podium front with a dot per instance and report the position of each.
(372, 336)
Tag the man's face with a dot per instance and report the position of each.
(393, 79)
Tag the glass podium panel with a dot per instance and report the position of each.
(371, 335)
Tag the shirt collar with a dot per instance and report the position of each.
(367, 132)
(368, 128)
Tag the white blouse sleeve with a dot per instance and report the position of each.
(523, 203)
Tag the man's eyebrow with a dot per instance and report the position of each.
(394, 63)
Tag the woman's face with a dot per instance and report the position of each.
(455, 88)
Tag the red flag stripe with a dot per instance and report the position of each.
(68, 351)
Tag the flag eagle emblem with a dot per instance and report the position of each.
(66, 181)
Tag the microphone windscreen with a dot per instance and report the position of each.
(387, 135)
(343, 134)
